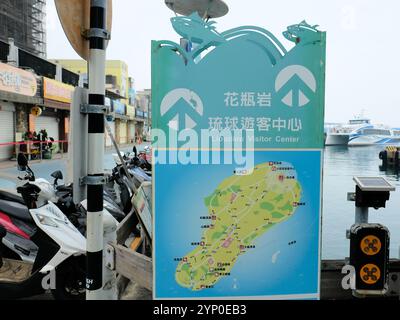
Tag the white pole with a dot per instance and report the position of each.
(96, 71)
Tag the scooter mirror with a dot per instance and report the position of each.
(22, 162)
(57, 175)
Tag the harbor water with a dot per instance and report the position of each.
(341, 165)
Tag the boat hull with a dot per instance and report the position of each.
(337, 139)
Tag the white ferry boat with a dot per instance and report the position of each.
(375, 135)
(340, 134)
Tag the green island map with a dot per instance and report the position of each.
(240, 210)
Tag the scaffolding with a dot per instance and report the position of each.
(25, 22)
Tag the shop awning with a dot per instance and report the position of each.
(13, 97)
(56, 104)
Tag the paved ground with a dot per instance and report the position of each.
(44, 168)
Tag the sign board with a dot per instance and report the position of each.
(238, 146)
(142, 203)
(119, 107)
(57, 91)
(139, 113)
(14, 80)
(130, 111)
(36, 111)
(74, 16)
(108, 103)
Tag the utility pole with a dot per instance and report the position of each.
(95, 179)
(87, 25)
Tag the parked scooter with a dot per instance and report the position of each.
(15, 210)
(17, 244)
(143, 159)
(139, 187)
(60, 246)
(137, 175)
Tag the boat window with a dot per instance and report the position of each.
(359, 121)
(382, 132)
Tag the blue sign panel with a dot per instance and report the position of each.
(119, 107)
(238, 137)
(139, 113)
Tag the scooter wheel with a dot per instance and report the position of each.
(70, 280)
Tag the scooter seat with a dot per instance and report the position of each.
(4, 195)
(16, 210)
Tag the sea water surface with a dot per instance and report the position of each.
(341, 164)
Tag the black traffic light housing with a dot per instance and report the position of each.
(369, 255)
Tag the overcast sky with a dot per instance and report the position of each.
(363, 63)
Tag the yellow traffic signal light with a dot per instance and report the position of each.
(369, 255)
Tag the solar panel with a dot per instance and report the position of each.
(374, 184)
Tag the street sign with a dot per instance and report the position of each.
(238, 136)
(75, 20)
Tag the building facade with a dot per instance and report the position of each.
(35, 95)
(143, 112)
(25, 22)
(120, 93)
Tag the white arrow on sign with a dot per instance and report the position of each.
(193, 102)
(307, 79)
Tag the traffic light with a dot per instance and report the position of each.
(369, 255)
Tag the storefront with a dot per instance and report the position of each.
(130, 112)
(49, 123)
(146, 128)
(57, 98)
(123, 131)
(18, 88)
(7, 115)
(140, 120)
(121, 122)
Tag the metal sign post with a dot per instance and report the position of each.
(95, 178)
(86, 26)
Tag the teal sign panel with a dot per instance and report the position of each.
(238, 137)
